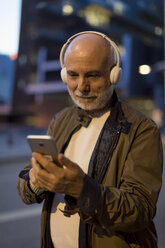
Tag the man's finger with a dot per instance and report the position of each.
(65, 162)
(44, 162)
(35, 165)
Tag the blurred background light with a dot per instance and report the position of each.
(67, 9)
(144, 69)
(118, 8)
(96, 15)
(14, 57)
(158, 30)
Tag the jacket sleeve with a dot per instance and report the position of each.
(132, 206)
(25, 191)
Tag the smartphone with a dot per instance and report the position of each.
(43, 144)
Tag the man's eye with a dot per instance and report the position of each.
(72, 74)
(93, 75)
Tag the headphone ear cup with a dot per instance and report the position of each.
(64, 75)
(115, 75)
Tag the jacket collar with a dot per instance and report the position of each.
(108, 140)
(118, 119)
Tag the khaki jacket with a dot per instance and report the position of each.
(118, 201)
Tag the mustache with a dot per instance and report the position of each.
(84, 94)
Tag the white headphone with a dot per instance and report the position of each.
(116, 72)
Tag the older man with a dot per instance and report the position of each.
(104, 190)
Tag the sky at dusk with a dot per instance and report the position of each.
(10, 13)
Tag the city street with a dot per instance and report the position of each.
(20, 223)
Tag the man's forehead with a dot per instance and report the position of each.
(87, 41)
(87, 45)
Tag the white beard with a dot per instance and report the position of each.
(97, 104)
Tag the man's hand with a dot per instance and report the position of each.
(66, 178)
(33, 173)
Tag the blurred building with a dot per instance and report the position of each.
(6, 79)
(7, 69)
(136, 27)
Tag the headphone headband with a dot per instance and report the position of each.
(112, 43)
(116, 71)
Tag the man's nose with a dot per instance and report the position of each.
(83, 85)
